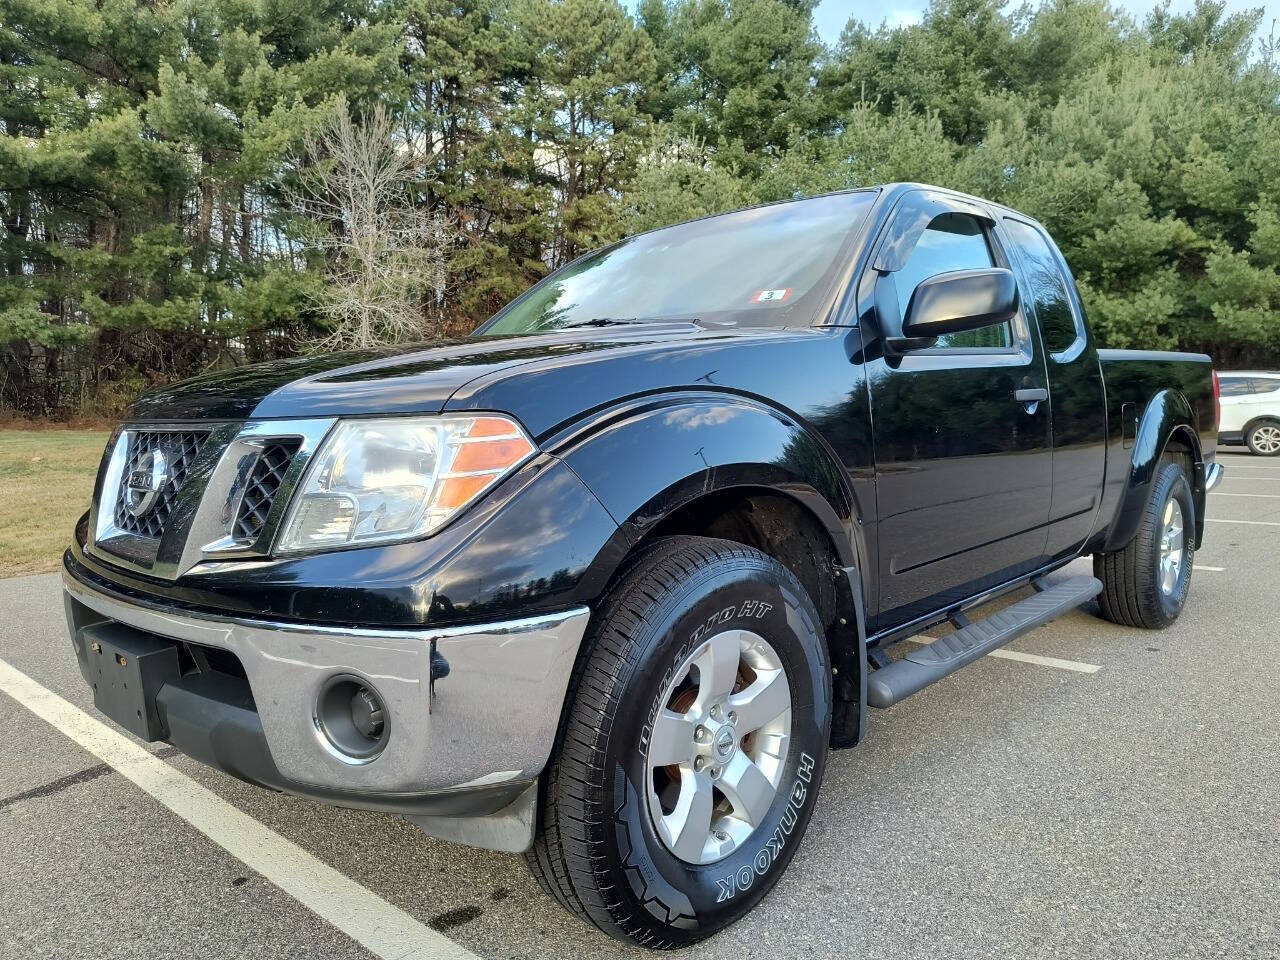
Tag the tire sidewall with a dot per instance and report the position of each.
(1172, 483)
(681, 900)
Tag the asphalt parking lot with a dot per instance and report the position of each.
(1098, 791)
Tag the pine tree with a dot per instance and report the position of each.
(738, 73)
(589, 63)
(137, 194)
(150, 155)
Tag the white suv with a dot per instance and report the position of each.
(1251, 410)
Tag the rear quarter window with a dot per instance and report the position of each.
(1043, 274)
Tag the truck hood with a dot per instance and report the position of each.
(413, 379)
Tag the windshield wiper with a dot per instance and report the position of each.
(615, 321)
(600, 322)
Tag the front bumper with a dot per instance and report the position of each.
(468, 744)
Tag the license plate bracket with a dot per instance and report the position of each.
(127, 668)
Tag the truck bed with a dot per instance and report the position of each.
(1135, 376)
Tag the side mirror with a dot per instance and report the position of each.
(960, 300)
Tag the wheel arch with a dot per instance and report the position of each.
(729, 467)
(1257, 421)
(1168, 422)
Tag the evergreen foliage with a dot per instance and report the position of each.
(149, 162)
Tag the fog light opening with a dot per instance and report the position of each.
(352, 718)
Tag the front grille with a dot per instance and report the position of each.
(264, 483)
(180, 448)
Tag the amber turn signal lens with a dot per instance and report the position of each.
(458, 491)
(491, 427)
(490, 455)
(490, 447)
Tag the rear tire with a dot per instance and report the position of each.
(685, 618)
(1146, 583)
(1263, 439)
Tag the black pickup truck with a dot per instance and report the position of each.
(603, 582)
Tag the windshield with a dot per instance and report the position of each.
(768, 266)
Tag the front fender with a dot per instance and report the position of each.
(646, 462)
(650, 460)
(1167, 414)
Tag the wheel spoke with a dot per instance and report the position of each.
(1171, 547)
(1267, 439)
(688, 826)
(717, 667)
(761, 702)
(747, 789)
(672, 739)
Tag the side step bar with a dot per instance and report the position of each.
(929, 664)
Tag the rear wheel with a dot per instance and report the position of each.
(690, 754)
(1146, 583)
(1264, 438)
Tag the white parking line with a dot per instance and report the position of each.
(378, 926)
(1055, 662)
(1210, 569)
(1248, 479)
(1260, 496)
(1252, 523)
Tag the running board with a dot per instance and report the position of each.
(900, 678)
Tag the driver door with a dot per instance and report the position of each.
(963, 467)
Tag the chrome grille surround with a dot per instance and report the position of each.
(235, 471)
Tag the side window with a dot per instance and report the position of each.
(1048, 290)
(1234, 386)
(952, 241)
(1265, 385)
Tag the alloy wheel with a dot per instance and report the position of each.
(1266, 439)
(1171, 546)
(718, 746)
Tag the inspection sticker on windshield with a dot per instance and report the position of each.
(771, 296)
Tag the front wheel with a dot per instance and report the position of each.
(1146, 583)
(1264, 438)
(688, 761)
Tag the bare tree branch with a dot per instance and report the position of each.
(385, 253)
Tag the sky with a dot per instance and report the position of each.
(832, 15)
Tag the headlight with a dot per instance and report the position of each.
(375, 481)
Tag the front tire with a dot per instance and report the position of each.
(1146, 583)
(1263, 438)
(690, 753)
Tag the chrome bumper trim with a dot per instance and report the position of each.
(491, 720)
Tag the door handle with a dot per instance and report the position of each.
(1031, 394)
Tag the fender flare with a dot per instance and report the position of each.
(1168, 414)
(647, 460)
